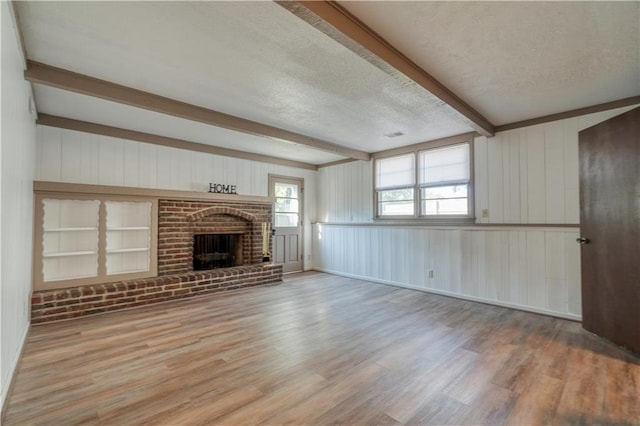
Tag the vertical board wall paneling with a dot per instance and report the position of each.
(556, 272)
(111, 154)
(532, 269)
(572, 259)
(571, 174)
(554, 169)
(131, 164)
(481, 191)
(51, 156)
(513, 177)
(17, 164)
(77, 157)
(536, 178)
(495, 184)
(536, 294)
(148, 164)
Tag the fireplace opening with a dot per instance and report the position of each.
(211, 251)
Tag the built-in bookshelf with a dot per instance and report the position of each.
(128, 236)
(87, 240)
(69, 239)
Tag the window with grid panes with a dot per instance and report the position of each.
(425, 183)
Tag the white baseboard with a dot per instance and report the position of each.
(563, 315)
(6, 387)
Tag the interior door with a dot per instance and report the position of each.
(610, 229)
(287, 241)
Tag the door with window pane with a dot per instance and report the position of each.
(287, 222)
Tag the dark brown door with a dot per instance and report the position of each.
(610, 229)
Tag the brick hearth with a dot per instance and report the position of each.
(178, 221)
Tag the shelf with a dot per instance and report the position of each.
(127, 271)
(71, 229)
(70, 253)
(128, 250)
(128, 228)
(70, 277)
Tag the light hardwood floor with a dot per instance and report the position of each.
(322, 349)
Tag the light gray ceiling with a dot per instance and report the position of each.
(256, 60)
(515, 61)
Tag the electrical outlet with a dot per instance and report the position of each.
(485, 212)
(430, 273)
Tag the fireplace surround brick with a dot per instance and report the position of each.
(55, 305)
(178, 221)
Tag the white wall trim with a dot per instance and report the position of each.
(474, 227)
(456, 295)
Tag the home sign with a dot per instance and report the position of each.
(219, 188)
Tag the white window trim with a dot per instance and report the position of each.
(417, 216)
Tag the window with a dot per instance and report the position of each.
(395, 182)
(432, 181)
(444, 181)
(92, 240)
(287, 206)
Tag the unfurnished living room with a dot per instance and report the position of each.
(323, 212)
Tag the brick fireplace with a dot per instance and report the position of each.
(180, 221)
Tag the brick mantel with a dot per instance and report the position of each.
(180, 220)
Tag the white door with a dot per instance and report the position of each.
(287, 222)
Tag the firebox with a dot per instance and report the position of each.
(211, 251)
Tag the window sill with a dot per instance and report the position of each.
(439, 221)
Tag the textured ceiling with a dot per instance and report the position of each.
(86, 108)
(509, 60)
(250, 59)
(517, 60)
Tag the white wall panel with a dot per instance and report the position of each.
(77, 157)
(524, 269)
(346, 192)
(17, 154)
(536, 179)
(481, 191)
(530, 175)
(554, 172)
(495, 184)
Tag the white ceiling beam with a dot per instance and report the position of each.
(83, 84)
(336, 22)
(117, 132)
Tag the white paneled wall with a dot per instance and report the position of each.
(345, 193)
(77, 157)
(16, 205)
(533, 269)
(530, 175)
(523, 177)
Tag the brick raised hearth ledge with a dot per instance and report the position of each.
(178, 221)
(55, 305)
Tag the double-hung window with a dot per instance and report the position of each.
(395, 185)
(430, 181)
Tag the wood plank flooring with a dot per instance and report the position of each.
(321, 349)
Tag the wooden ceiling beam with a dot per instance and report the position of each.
(83, 84)
(336, 22)
(116, 132)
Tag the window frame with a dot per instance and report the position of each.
(411, 187)
(101, 276)
(417, 216)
